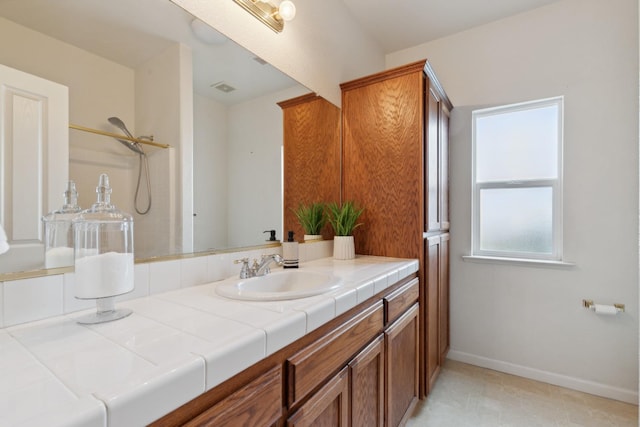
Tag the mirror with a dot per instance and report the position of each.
(219, 186)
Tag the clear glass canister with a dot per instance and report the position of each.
(103, 252)
(58, 231)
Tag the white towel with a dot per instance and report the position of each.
(4, 246)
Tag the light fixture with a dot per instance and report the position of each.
(270, 15)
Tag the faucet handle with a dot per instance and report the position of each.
(244, 271)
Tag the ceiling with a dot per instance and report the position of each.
(136, 34)
(400, 24)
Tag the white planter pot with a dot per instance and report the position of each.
(312, 237)
(343, 247)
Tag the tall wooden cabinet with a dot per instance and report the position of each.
(395, 164)
(311, 131)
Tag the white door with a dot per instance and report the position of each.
(34, 162)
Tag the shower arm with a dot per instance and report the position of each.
(119, 136)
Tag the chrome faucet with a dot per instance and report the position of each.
(263, 268)
(258, 269)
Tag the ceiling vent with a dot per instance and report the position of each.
(223, 87)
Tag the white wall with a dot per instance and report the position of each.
(321, 48)
(526, 320)
(162, 112)
(255, 168)
(210, 167)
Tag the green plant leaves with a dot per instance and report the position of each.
(343, 218)
(311, 217)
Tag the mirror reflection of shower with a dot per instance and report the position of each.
(143, 162)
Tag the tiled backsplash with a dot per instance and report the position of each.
(27, 300)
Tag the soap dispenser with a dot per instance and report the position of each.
(58, 230)
(290, 252)
(103, 244)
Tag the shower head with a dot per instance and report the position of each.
(133, 146)
(120, 124)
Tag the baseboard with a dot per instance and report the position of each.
(624, 395)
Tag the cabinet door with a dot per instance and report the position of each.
(444, 167)
(432, 161)
(328, 407)
(383, 160)
(367, 386)
(401, 343)
(443, 296)
(432, 264)
(259, 403)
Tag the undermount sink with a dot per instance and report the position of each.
(280, 285)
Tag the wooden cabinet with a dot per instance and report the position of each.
(309, 367)
(328, 407)
(383, 377)
(443, 298)
(443, 142)
(383, 151)
(395, 130)
(259, 403)
(360, 369)
(437, 266)
(433, 333)
(367, 385)
(311, 156)
(401, 345)
(437, 160)
(432, 199)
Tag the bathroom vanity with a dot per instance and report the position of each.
(360, 369)
(192, 357)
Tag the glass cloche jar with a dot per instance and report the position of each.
(103, 248)
(58, 231)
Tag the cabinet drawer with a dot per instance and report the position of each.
(310, 367)
(259, 403)
(398, 301)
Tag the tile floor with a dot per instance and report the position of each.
(469, 396)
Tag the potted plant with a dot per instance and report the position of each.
(312, 218)
(344, 219)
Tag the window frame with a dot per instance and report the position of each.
(556, 185)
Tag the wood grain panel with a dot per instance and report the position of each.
(401, 299)
(402, 367)
(383, 134)
(329, 407)
(309, 368)
(444, 168)
(432, 285)
(432, 160)
(259, 403)
(367, 386)
(311, 156)
(443, 298)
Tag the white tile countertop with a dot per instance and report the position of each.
(174, 347)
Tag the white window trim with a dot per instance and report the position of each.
(556, 185)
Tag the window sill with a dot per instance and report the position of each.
(517, 261)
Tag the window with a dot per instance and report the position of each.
(517, 181)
